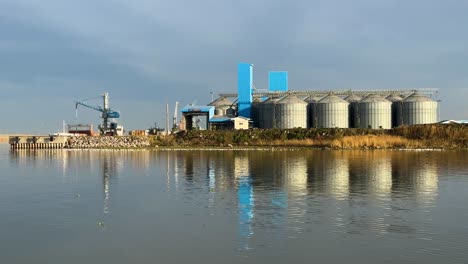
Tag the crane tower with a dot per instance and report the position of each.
(108, 126)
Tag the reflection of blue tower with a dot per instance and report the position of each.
(246, 208)
(280, 204)
(244, 88)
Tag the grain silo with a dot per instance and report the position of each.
(222, 104)
(332, 111)
(267, 113)
(397, 109)
(290, 112)
(419, 109)
(312, 110)
(353, 110)
(375, 112)
(255, 112)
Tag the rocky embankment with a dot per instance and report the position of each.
(108, 142)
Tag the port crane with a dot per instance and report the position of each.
(108, 127)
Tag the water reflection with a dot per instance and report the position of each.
(274, 196)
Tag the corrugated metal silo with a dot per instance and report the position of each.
(221, 105)
(353, 110)
(267, 113)
(419, 109)
(332, 111)
(312, 110)
(231, 111)
(255, 112)
(290, 112)
(375, 112)
(397, 109)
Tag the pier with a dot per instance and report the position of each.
(38, 142)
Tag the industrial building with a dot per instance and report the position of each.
(279, 107)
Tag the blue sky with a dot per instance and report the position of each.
(149, 53)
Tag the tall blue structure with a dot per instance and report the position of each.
(278, 81)
(244, 89)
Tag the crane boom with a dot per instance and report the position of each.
(106, 113)
(109, 113)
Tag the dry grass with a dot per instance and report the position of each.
(372, 141)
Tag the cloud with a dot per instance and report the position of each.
(161, 51)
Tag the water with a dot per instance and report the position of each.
(233, 206)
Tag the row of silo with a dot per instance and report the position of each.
(331, 111)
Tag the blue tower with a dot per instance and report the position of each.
(278, 81)
(244, 89)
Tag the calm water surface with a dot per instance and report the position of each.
(233, 206)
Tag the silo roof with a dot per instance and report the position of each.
(417, 97)
(291, 99)
(221, 101)
(394, 98)
(313, 99)
(332, 99)
(271, 100)
(374, 98)
(353, 98)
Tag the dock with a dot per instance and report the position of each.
(38, 142)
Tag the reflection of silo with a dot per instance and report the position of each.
(312, 110)
(375, 112)
(332, 111)
(241, 166)
(221, 105)
(415, 173)
(295, 174)
(418, 109)
(290, 112)
(397, 108)
(267, 113)
(425, 181)
(336, 177)
(353, 110)
(379, 174)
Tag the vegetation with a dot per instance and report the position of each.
(418, 136)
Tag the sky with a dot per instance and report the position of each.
(149, 53)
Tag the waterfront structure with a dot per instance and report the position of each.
(290, 112)
(312, 110)
(222, 105)
(375, 112)
(419, 109)
(332, 111)
(353, 110)
(397, 109)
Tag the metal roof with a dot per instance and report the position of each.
(197, 108)
(221, 101)
(394, 98)
(291, 99)
(417, 97)
(353, 98)
(220, 119)
(374, 98)
(332, 99)
(430, 92)
(313, 99)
